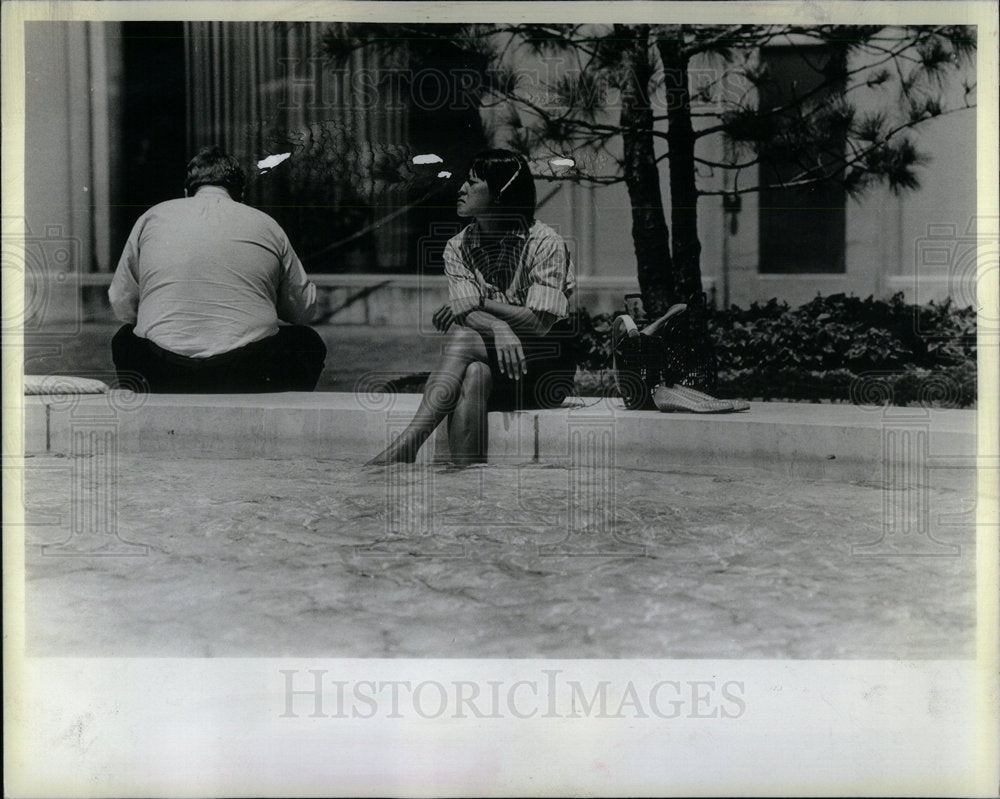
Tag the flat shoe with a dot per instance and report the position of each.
(698, 396)
(669, 399)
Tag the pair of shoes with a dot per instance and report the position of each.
(682, 398)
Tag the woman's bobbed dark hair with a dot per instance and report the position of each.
(213, 167)
(505, 168)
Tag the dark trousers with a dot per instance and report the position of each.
(290, 360)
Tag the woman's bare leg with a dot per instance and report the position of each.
(463, 347)
(468, 428)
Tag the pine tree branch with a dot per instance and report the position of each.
(728, 164)
(601, 180)
(821, 88)
(735, 39)
(832, 170)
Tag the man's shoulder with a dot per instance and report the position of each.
(166, 207)
(246, 216)
(249, 210)
(260, 218)
(182, 204)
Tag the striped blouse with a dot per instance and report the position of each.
(529, 267)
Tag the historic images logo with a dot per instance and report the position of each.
(318, 693)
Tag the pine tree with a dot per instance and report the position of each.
(705, 95)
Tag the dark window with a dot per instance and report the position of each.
(153, 108)
(802, 228)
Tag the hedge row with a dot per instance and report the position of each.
(837, 348)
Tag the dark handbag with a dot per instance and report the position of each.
(672, 350)
(688, 353)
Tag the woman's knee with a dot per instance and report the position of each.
(478, 380)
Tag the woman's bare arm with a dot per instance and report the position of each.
(523, 320)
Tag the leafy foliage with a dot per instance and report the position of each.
(949, 387)
(842, 332)
(826, 348)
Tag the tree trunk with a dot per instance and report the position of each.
(683, 191)
(650, 235)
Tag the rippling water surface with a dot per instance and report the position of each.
(322, 558)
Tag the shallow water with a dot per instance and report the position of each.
(322, 558)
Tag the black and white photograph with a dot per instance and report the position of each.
(506, 399)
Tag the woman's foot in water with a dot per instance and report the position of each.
(399, 451)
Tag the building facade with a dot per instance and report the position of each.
(115, 109)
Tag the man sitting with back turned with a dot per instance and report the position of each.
(202, 284)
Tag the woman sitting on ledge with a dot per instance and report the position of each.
(509, 280)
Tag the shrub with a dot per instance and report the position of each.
(838, 348)
(841, 332)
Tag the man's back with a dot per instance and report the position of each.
(209, 275)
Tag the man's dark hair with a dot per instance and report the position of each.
(511, 186)
(213, 167)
